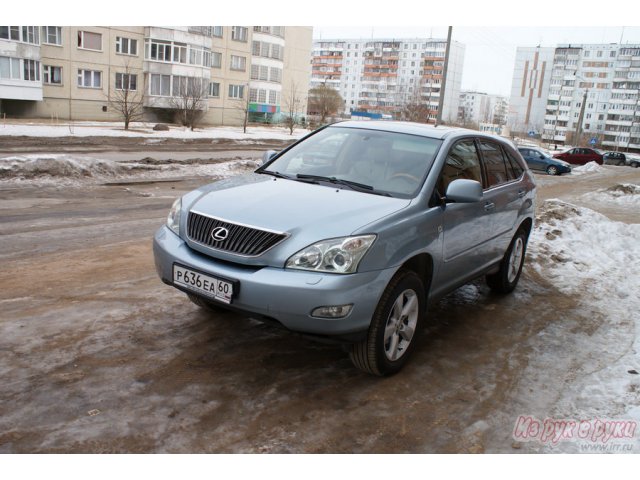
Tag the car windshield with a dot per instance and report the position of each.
(370, 161)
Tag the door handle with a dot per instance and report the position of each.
(489, 206)
(521, 193)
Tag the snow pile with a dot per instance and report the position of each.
(57, 165)
(595, 262)
(64, 169)
(590, 167)
(580, 249)
(624, 194)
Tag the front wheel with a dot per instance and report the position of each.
(551, 170)
(506, 279)
(391, 336)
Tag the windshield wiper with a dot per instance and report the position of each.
(340, 181)
(275, 174)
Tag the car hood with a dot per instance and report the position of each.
(306, 212)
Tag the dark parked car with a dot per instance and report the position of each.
(541, 161)
(620, 159)
(580, 156)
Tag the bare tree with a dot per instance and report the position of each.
(324, 101)
(128, 96)
(413, 107)
(293, 104)
(189, 100)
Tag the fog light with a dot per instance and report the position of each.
(334, 311)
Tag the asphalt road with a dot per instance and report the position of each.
(97, 355)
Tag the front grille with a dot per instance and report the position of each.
(241, 240)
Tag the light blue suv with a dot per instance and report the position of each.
(351, 231)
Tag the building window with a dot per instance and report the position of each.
(89, 40)
(31, 35)
(216, 59)
(89, 78)
(10, 33)
(273, 97)
(160, 85)
(10, 68)
(214, 89)
(236, 91)
(126, 46)
(207, 31)
(179, 53)
(158, 51)
(238, 63)
(239, 34)
(276, 75)
(126, 81)
(52, 35)
(277, 52)
(253, 95)
(31, 70)
(52, 75)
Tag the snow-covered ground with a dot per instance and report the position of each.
(140, 129)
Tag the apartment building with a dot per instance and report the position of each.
(478, 107)
(592, 96)
(529, 89)
(379, 78)
(77, 72)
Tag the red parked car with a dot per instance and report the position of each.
(580, 156)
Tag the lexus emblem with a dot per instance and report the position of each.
(219, 234)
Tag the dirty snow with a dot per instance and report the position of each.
(68, 169)
(595, 260)
(590, 167)
(623, 194)
(115, 129)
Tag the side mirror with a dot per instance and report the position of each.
(268, 155)
(464, 191)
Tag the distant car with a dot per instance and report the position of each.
(614, 158)
(620, 159)
(580, 156)
(541, 161)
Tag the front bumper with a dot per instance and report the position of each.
(288, 296)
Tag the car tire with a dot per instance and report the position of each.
(203, 303)
(635, 164)
(392, 334)
(551, 170)
(506, 278)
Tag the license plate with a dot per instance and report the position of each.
(204, 284)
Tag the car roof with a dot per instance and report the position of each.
(440, 132)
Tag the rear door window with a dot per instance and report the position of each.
(514, 168)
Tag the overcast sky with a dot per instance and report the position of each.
(490, 51)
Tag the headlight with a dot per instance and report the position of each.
(173, 219)
(336, 255)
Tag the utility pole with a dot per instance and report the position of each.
(444, 76)
(581, 117)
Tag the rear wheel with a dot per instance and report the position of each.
(506, 279)
(391, 336)
(551, 170)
